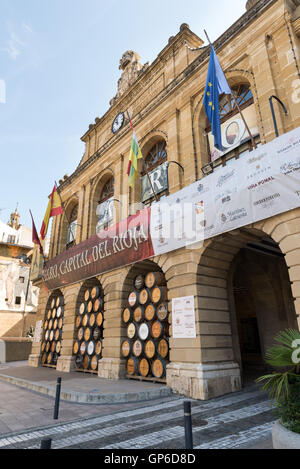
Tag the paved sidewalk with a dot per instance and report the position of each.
(81, 387)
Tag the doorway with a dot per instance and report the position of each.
(262, 305)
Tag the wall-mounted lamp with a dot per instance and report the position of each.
(273, 112)
(207, 169)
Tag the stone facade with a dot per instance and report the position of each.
(165, 100)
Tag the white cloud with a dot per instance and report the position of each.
(27, 28)
(14, 45)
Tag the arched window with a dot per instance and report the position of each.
(235, 137)
(156, 165)
(105, 207)
(72, 227)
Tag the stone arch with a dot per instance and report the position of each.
(214, 299)
(63, 225)
(146, 144)
(199, 120)
(98, 185)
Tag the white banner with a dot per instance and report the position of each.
(261, 184)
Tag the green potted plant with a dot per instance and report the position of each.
(284, 388)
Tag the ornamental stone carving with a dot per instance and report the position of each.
(131, 67)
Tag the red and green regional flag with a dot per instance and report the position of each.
(135, 155)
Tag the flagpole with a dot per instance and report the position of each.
(150, 182)
(63, 207)
(238, 107)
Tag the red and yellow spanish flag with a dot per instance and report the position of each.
(54, 208)
(135, 155)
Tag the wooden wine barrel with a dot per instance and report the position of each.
(53, 346)
(44, 358)
(99, 319)
(95, 293)
(82, 348)
(157, 330)
(78, 361)
(127, 315)
(53, 313)
(58, 347)
(45, 325)
(150, 312)
(132, 330)
(158, 294)
(96, 334)
(137, 348)
(162, 311)
(163, 348)
(144, 331)
(90, 307)
(144, 367)
(59, 301)
(49, 358)
(132, 366)
(48, 346)
(52, 303)
(51, 335)
(57, 334)
(59, 311)
(85, 320)
(87, 294)
(55, 324)
(50, 324)
(144, 296)
(94, 363)
(138, 314)
(92, 320)
(98, 348)
(76, 347)
(150, 348)
(86, 362)
(43, 346)
(126, 348)
(98, 305)
(159, 368)
(78, 322)
(155, 279)
(47, 334)
(91, 348)
(133, 299)
(82, 308)
(139, 282)
(60, 323)
(49, 314)
(88, 334)
(80, 333)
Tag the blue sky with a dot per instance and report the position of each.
(59, 68)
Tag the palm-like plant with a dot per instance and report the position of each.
(282, 355)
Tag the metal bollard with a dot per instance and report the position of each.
(57, 398)
(46, 443)
(188, 425)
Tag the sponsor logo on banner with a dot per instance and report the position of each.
(267, 202)
(290, 167)
(234, 215)
(261, 183)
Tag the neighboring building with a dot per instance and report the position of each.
(245, 279)
(18, 297)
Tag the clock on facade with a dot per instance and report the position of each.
(118, 123)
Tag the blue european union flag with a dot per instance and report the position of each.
(216, 84)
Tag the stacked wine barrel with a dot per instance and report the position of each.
(146, 347)
(87, 346)
(52, 331)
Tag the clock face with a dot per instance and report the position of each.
(118, 123)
